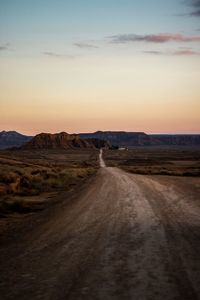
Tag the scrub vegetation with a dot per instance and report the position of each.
(29, 179)
(177, 161)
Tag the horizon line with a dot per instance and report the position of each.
(91, 132)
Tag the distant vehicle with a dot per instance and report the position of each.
(123, 148)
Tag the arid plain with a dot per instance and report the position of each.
(71, 229)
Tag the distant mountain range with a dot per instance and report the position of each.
(9, 139)
(120, 138)
(131, 139)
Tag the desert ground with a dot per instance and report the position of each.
(115, 235)
(173, 160)
(29, 180)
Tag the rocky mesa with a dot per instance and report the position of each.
(63, 140)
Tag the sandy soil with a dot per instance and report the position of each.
(122, 236)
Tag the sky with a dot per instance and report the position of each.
(87, 65)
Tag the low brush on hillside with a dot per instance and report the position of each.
(29, 179)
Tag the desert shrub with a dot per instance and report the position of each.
(8, 177)
(39, 173)
(18, 172)
(55, 183)
(35, 172)
(3, 189)
(48, 174)
(25, 181)
(37, 184)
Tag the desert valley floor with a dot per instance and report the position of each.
(119, 236)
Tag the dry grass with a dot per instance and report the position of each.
(25, 177)
(156, 161)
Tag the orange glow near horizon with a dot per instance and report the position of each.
(82, 66)
(85, 95)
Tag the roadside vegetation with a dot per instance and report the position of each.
(175, 161)
(30, 179)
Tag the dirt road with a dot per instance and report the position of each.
(121, 237)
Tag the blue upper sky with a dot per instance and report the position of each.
(84, 65)
(55, 25)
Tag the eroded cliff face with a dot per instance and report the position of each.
(63, 140)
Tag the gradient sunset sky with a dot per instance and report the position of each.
(87, 65)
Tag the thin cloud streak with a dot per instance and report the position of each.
(195, 13)
(153, 52)
(184, 52)
(195, 3)
(153, 38)
(57, 55)
(2, 48)
(5, 47)
(85, 45)
(196, 6)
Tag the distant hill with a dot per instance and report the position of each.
(63, 140)
(10, 139)
(120, 138)
(176, 139)
(131, 139)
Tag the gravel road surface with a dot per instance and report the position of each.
(121, 236)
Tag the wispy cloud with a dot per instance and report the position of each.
(85, 45)
(5, 47)
(195, 13)
(153, 38)
(182, 52)
(195, 3)
(185, 52)
(196, 8)
(153, 52)
(58, 55)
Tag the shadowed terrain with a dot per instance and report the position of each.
(120, 236)
(178, 161)
(29, 179)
